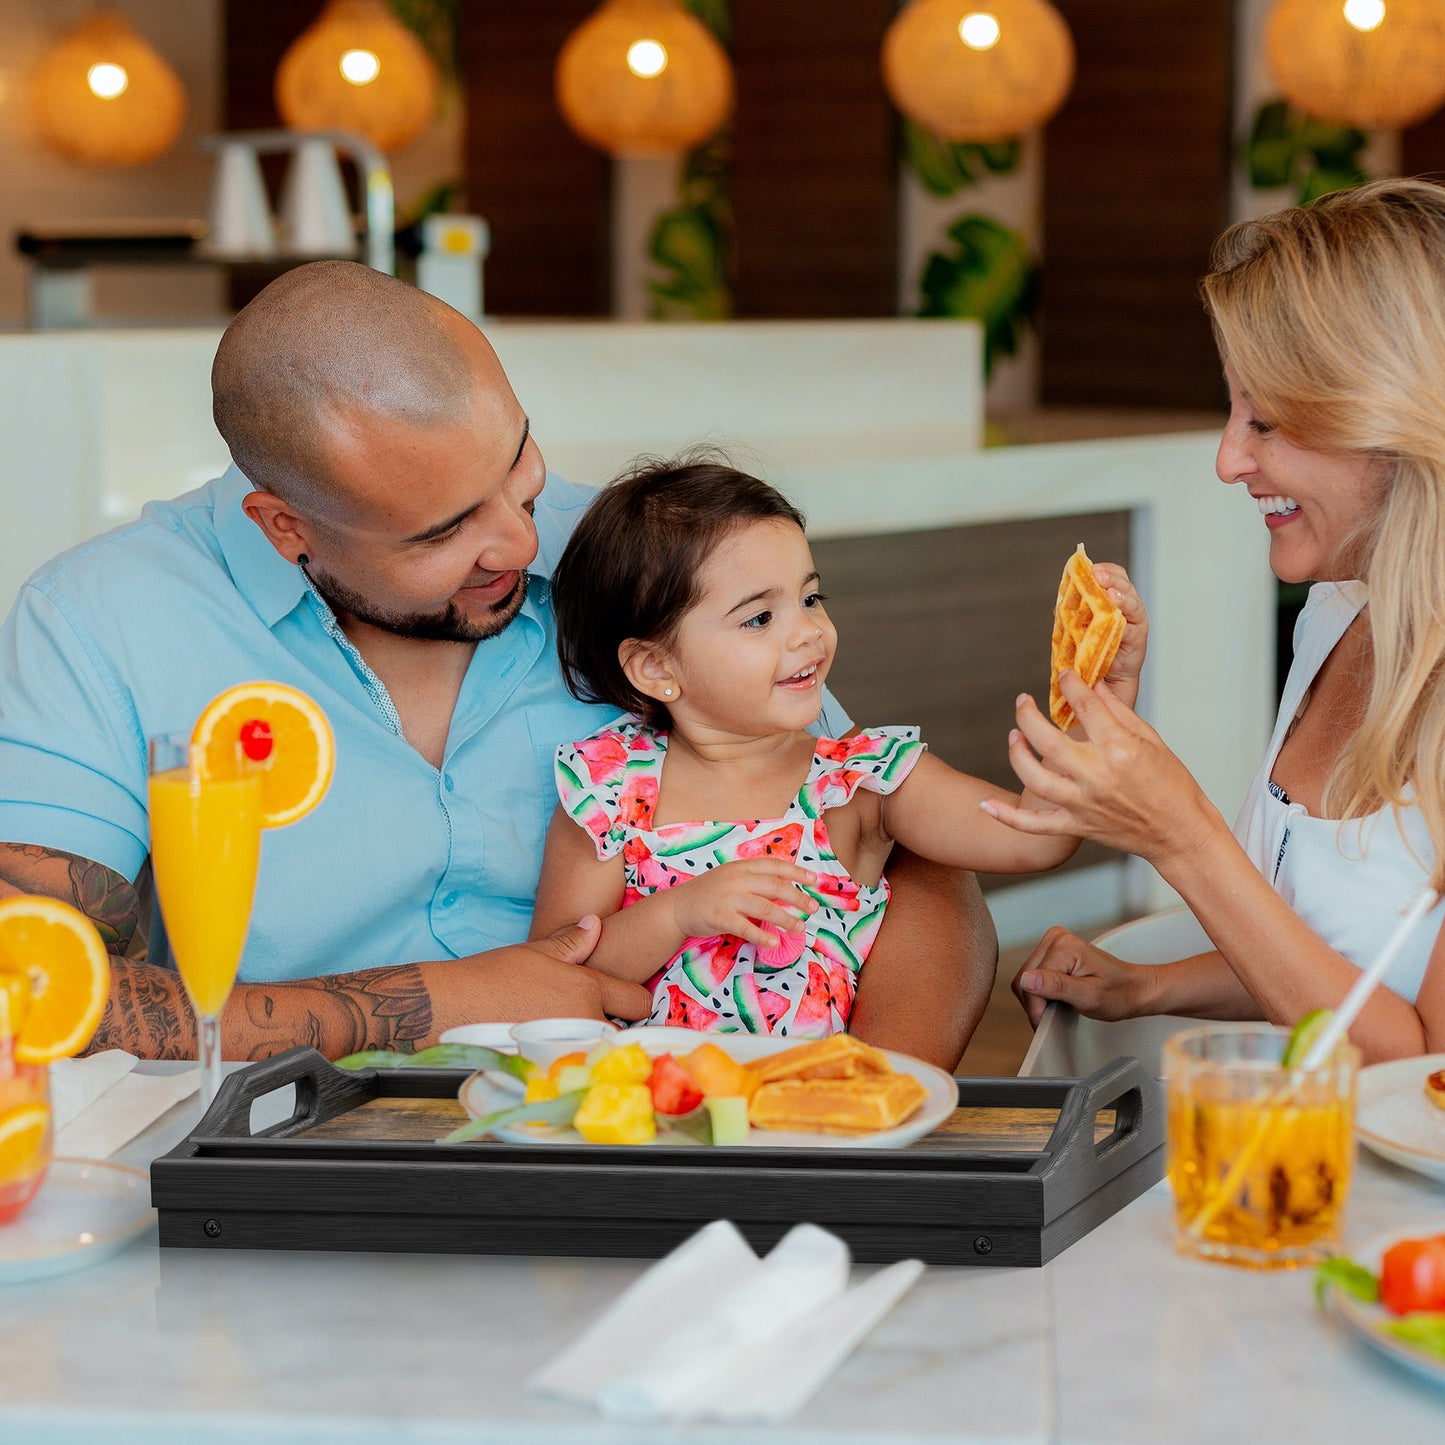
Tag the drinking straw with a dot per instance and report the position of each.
(1319, 1051)
(1364, 986)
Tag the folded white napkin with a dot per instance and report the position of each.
(99, 1105)
(694, 1337)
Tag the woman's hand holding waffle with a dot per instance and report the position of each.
(1123, 672)
(1110, 778)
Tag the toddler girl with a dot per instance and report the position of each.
(735, 859)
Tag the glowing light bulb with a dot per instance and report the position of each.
(107, 81)
(360, 67)
(646, 58)
(979, 31)
(1365, 14)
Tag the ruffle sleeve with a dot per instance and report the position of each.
(878, 760)
(608, 783)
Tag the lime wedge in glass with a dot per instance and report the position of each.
(1306, 1031)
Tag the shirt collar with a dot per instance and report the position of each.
(271, 584)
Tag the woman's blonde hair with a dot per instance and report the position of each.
(1332, 318)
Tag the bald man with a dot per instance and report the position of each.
(382, 542)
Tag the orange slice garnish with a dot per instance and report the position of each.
(59, 950)
(297, 764)
(22, 1141)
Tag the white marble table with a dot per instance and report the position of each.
(1117, 1342)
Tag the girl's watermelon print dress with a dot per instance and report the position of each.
(803, 988)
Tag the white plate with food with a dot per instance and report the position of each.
(1395, 1115)
(1372, 1322)
(484, 1093)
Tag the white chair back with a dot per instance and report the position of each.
(1068, 1046)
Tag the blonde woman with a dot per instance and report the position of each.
(1331, 324)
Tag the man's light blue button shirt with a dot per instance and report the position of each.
(131, 635)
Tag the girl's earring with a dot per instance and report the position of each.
(667, 692)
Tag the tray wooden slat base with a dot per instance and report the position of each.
(1021, 1169)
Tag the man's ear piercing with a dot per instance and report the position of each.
(302, 560)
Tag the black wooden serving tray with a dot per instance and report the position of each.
(1019, 1171)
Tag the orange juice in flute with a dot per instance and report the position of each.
(260, 756)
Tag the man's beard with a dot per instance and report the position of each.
(451, 624)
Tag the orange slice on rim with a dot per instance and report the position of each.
(282, 731)
(58, 949)
(22, 1141)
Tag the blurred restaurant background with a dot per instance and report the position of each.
(931, 267)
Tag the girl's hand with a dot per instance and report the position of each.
(740, 898)
(1097, 984)
(1111, 778)
(1123, 673)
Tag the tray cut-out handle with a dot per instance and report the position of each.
(1136, 1099)
(320, 1090)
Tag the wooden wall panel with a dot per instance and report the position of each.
(1422, 148)
(815, 176)
(1136, 187)
(544, 193)
(946, 628)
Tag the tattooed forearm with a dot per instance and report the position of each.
(383, 1008)
(110, 901)
(147, 1013)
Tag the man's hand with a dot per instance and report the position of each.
(740, 898)
(547, 977)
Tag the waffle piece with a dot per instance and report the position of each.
(839, 1056)
(1088, 628)
(837, 1106)
(1435, 1088)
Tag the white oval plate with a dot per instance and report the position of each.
(480, 1095)
(1395, 1119)
(85, 1211)
(1368, 1320)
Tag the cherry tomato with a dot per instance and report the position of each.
(1412, 1275)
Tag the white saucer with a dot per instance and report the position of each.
(488, 1036)
(85, 1211)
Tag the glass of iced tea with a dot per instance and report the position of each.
(1259, 1155)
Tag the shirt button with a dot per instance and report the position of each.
(451, 900)
(448, 782)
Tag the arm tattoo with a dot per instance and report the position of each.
(111, 902)
(148, 1012)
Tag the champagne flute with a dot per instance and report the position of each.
(205, 849)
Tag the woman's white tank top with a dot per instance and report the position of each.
(1350, 882)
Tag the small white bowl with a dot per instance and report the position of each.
(544, 1041)
(488, 1036)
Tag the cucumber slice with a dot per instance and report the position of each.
(729, 1118)
(1306, 1031)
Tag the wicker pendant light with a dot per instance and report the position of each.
(978, 70)
(643, 77)
(1365, 63)
(358, 68)
(105, 98)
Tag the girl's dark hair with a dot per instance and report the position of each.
(631, 568)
